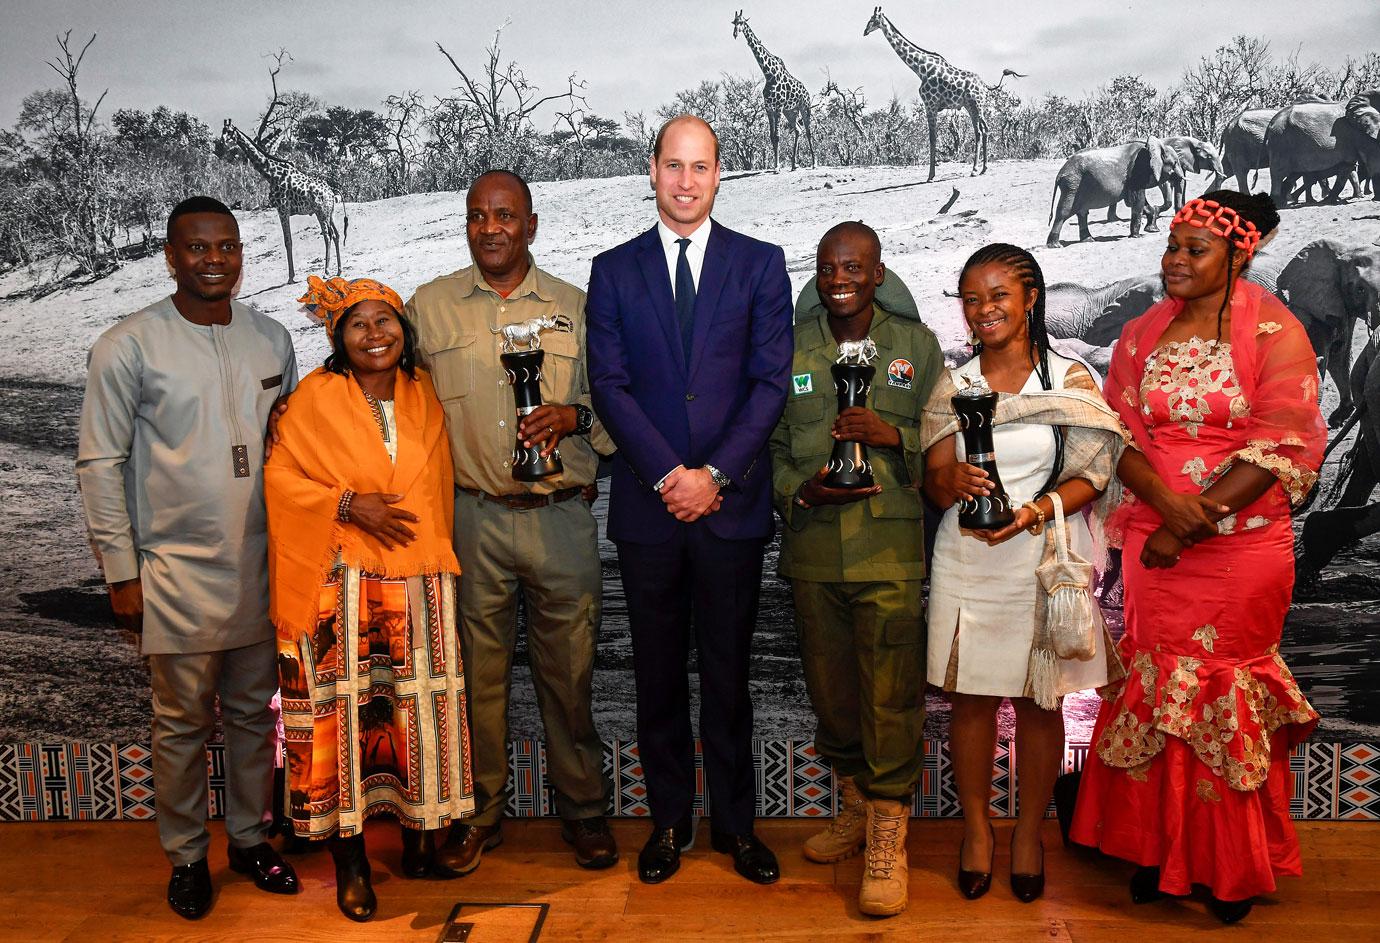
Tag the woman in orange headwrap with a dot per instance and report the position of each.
(361, 572)
(1189, 773)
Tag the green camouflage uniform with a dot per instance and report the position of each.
(855, 569)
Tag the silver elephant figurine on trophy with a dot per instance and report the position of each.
(849, 466)
(522, 359)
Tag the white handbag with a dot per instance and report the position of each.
(1072, 617)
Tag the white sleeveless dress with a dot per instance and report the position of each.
(982, 599)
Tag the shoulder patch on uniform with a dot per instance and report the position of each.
(803, 383)
(901, 373)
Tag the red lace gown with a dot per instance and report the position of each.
(1189, 769)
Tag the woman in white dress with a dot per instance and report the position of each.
(983, 587)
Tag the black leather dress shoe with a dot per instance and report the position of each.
(1145, 885)
(752, 859)
(660, 857)
(268, 869)
(189, 890)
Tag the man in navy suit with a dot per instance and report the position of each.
(689, 343)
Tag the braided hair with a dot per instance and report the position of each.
(1255, 208)
(1023, 264)
(1028, 271)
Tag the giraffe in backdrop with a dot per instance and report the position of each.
(783, 94)
(293, 192)
(943, 87)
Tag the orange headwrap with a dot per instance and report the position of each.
(1220, 221)
(329, 299)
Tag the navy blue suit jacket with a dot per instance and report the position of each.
(719, 408)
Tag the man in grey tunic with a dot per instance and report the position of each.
(170, 463)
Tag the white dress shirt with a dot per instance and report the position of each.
(694, 253)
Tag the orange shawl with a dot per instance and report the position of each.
(329, 442)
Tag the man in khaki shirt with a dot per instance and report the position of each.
(539, 539)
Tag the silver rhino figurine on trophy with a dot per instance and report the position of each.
(526, 335)
(522, 359)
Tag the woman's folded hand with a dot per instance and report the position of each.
(374, 514)
(1187, 516)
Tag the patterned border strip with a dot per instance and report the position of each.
(98, 781)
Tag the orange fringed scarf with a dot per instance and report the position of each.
(329, 442)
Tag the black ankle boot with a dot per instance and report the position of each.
(419, 848)
(354, 895)
(1145, 885)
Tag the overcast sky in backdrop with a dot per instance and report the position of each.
(208, 59)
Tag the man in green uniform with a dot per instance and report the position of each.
(855, 558)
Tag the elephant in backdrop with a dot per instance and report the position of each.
(1322, 137)
(1243, 145)
(1330, 286)
(1351, 517)
(1086, 322)
(1103, 176)
(1195, 157)
(1096, 316)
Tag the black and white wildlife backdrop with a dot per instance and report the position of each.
(111, 112)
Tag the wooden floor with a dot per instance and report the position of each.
(106, 881)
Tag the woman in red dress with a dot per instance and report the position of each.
(1189, 772)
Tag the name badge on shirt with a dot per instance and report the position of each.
(803, 383)
(273, 381)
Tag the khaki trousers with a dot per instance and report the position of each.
(862, 647)
(551, 556)
(184, 696)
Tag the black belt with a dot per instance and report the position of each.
(528, 502)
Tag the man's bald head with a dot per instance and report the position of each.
(678, 121)
(848, 270)
(855, 229)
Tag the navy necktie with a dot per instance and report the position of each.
(685, 297)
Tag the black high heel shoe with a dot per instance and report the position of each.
(354, 895)
(1230, 911)
(973, 884)
(1027, 887)
(419, 849)
(1145, 885)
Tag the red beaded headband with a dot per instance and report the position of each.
(1220, 221)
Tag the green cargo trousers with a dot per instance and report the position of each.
(551, 555)
(863, 650)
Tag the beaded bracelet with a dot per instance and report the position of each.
(342, 509)
(1038, 527)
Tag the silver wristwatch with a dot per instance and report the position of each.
(720, 479)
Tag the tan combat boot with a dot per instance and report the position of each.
(847, 833)
(886, 873)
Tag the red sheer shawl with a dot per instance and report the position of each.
(1284, 432)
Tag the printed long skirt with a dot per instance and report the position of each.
(374, 707)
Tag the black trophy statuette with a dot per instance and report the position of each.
(524, 374)
(853, 372)
(974, 407)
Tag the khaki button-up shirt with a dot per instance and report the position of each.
(457, 318)
(876, 538)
